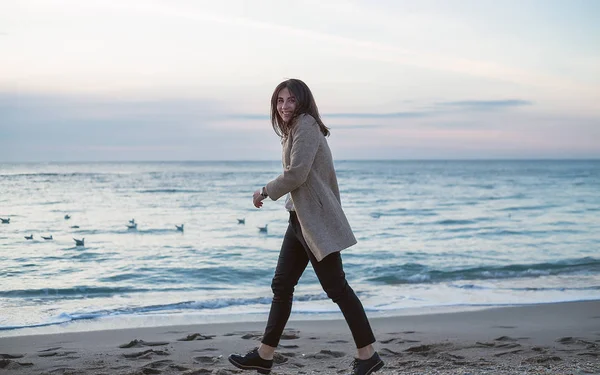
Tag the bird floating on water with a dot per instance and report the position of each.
(30, 237)
(47, 238)
(179, 227)
(5, 221)
(79, 242)
(263, 229)
(242, 221)
(132, 221)
(67, 217)
(132, 226)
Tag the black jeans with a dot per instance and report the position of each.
(293, 259)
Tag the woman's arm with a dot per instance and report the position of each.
(306, 137)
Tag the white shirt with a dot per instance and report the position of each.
(289, 204)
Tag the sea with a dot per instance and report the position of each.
(433, 236)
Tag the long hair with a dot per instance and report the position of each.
(305, 103)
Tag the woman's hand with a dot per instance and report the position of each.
(257, 199)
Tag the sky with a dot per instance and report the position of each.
(393, 79)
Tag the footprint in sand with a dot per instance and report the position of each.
(286, 335)
(539, 359)
(159, 364)
(50, 349)
(279, 358)
(11, 356)
(508, 352)
(325, 354)
(146, 354)
(201, 371)
(205, 359)
(291, 335)
(150, 371)
(426, 350)
(140, 343)
(206, 350)
(58, 354)
(196, 336)
(388, 352)
(397, 341)
(457, 360)
(13, 365)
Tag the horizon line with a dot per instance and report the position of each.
(278, 160)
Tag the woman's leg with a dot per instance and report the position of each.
(330, 272)
(290, 266)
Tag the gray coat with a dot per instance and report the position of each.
(309, 175)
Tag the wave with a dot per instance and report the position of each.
(45, 174)
(213, 304)
(68, 293)
(529, 208)
(405, 212)
(170, 191)
(414, 273)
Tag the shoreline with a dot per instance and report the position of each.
(149, 321)
(554, 338)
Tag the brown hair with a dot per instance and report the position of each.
(305, 103)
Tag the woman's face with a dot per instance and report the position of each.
(286, 104)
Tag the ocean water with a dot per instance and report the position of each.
(432, 235)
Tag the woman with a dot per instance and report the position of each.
(318, 229)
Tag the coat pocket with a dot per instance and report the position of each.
(313, 195)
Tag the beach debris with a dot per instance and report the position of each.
(47, 238)
(242, 221)
(5, 221)
(79, 242)
(30, 237)
(179, 227)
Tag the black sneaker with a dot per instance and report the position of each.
(251, 361)
(367, 366)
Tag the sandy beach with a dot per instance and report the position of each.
(559, 338)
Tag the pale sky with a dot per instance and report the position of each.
(91, 80)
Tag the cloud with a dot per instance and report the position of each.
(486, 104)
(247, 116)
(433, 109)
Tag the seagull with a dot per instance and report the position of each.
(67, 217)
(47, 238)
(5, 221)
(79, 242)
(132, 226)
(242, 221)
(30, 237)
(263, 229)
(179, 227)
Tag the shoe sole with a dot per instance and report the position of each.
(378, 366)
(262, 370)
